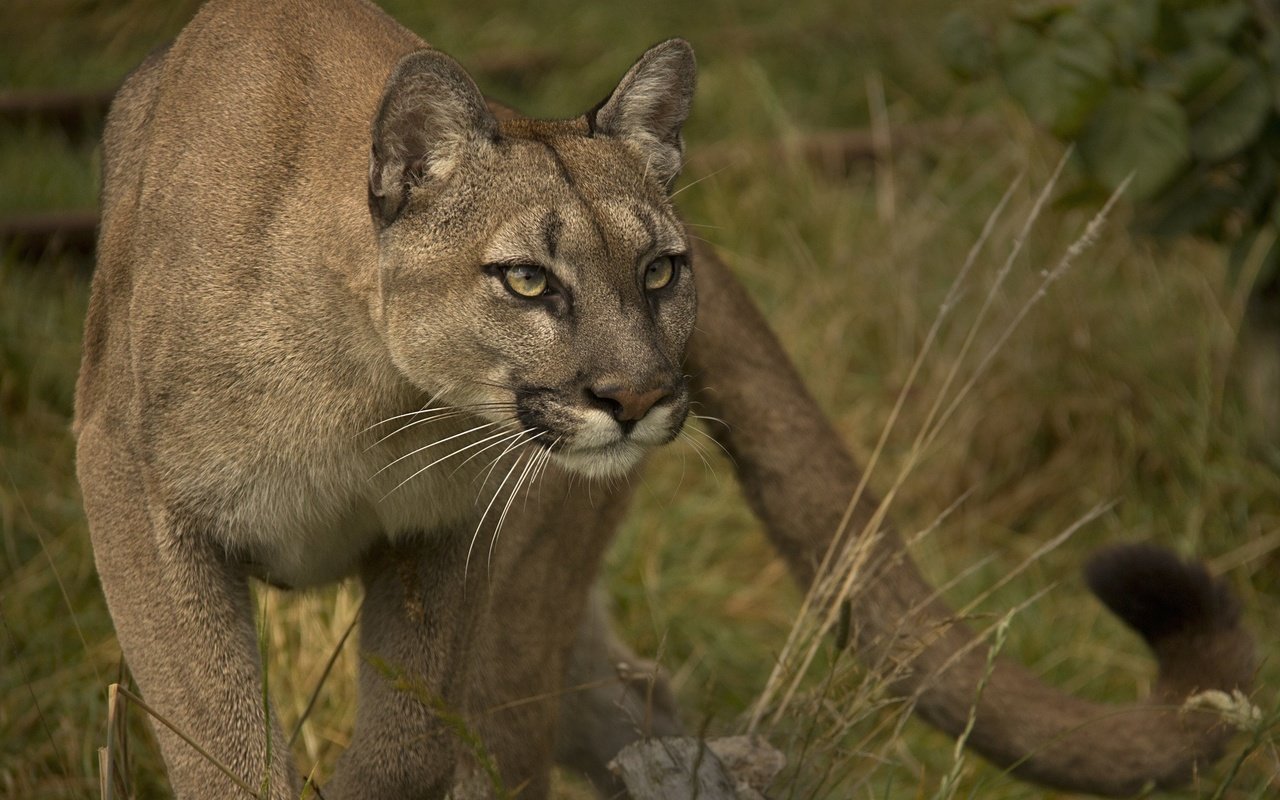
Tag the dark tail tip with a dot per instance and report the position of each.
(1158, 594)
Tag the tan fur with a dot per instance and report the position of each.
(302, 212)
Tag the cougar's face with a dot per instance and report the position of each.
(545, 284)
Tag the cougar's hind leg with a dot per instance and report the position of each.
(612, 698)
(184, 619)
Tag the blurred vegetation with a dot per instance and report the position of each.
(1122, 386)
(1185, 94)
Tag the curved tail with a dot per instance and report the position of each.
(1190, 620)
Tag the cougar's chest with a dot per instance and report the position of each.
(307, 519)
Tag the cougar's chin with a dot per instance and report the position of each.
(609, 461)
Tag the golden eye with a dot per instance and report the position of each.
(659, 273)
(526, 280)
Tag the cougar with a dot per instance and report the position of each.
(346, 312)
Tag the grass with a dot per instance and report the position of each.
(1123, 389)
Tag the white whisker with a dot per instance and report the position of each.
(712, 419)
(433, 444)
(508, 438)
(697, 449)
(543, 458)
(445, 458)
(437, 412)
(714, 441)
(515, 489)
(466, 566)
(440, 417)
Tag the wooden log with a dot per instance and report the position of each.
(77, 113)
(838, 152)
(673, 768)
(32, 236)
(679, 767)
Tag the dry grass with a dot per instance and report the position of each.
(1120, 390)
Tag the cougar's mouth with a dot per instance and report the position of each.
(590, 440)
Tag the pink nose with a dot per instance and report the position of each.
(628, 405)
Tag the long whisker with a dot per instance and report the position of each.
(697, 449)
(546, 461)
(543, 460)
(432, 410)
(481, 426)
(517, 443)
(426, 407)
(708, 418)
(714, 441)
(542, 468)
(450, 413)
(446, 457)
(515, 435)
(443, 414)
(515, 489)
(694, 183)
(466, 566)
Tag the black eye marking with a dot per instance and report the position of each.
(551, 228)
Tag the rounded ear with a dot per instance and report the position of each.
(650, 106)
(431, 111)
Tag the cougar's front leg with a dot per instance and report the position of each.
(184, 619)
(415, 629)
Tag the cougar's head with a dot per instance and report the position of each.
(534, 272)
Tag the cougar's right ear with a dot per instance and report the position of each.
(431, 114)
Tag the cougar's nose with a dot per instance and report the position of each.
(627, 404)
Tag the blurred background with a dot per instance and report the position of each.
(844, 157)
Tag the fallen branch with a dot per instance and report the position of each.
(79, 113)
(839, 152)
(675, 767)
(32, 236)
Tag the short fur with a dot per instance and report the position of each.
(310, 222)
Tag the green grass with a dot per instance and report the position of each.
(1122, 386)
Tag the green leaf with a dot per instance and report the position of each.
(964, 46)
(1195, 203)
(1187, 73)
(1220, 22)
(1230, 112)
(1138, 132)
(1058, 77)
(1130, 24)
(1040, 11)
(1271, 57)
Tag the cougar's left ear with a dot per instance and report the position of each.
(431, 114)
(649, 107)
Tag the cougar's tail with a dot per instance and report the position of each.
(1190, 620)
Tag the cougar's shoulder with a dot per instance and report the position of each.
(212, 178)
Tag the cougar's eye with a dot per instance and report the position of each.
(660, 272)
(526, 280)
